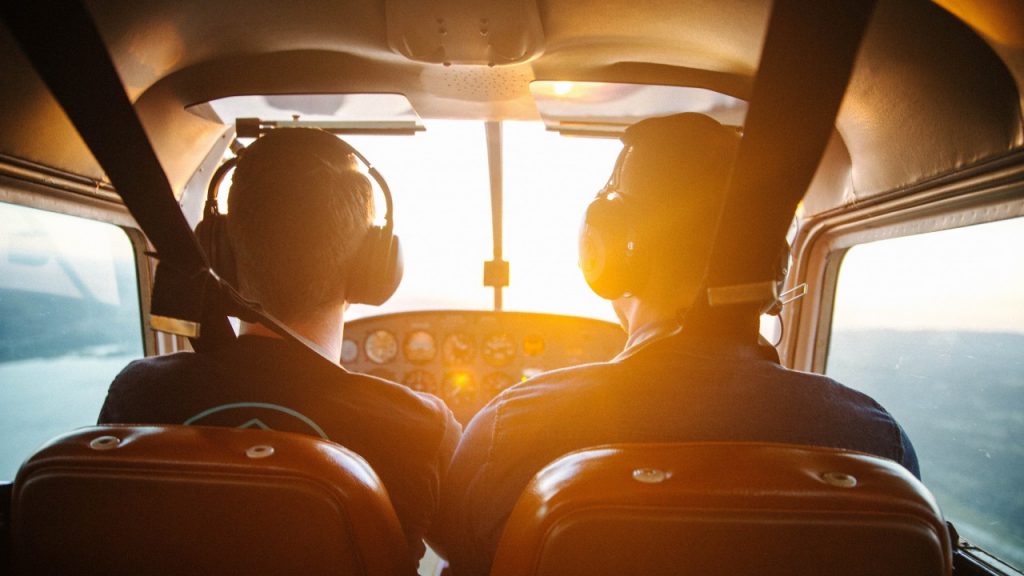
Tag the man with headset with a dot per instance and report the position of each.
(299, 225)
(685, 374)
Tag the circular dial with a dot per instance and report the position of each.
(495, 382)
(349, 351)
(459, 389)
(533, 345)
(421, 381)
(498, 349)
(458, 348)
(381, 346)
(420, 347)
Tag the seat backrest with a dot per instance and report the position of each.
(723, 508)
(196, 500)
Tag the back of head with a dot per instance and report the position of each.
(298, 211)
(649, 232)
(674, 173)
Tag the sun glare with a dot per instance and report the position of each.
(562, 88)
(440, 184)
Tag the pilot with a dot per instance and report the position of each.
(299, 213)
(645, 245)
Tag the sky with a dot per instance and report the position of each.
(439, 180)
(968, 278)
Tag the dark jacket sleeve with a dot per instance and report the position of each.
(113, 410)
(458, 534)
(909, 460)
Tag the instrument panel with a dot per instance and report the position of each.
(468, 357)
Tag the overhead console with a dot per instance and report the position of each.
(465, 32)
(468, 357)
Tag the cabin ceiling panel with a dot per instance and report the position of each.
(718, 35)
(1001, 24)
(151, 39)
(927, 96)
(931, 93)
(35, 127)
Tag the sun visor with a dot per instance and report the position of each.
(356, 113)
(606, 109)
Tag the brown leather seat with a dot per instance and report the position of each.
(194, 500)
(723, 508)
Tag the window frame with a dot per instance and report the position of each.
(98, 206)
(988, 192)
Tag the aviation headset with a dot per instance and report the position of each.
(374, 271)
(612, 255)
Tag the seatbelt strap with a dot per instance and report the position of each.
(60, 38)
(806, 62)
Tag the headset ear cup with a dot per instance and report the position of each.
(395, 270)
(212, 234)
(607, 256)
(376, 271)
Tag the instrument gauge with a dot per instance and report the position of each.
(421, 381)
(533, 345)
(498, 349)
(349, 351)
(381, 346)
(458, 348)
(419, 347)
(495, 382)
(460, 390)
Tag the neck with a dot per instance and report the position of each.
(325, 330)
(733, 323)
(641, 315)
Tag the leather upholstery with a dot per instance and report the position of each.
(723, 508)
(194, 500)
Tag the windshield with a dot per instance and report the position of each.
(439, 180)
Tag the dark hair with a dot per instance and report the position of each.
(298, 210)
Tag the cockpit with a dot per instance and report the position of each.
(881, 143)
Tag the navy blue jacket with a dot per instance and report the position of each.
(675, 389)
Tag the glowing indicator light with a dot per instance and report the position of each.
(460, 380)
(531, 372)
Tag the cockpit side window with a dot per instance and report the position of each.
(69, 321)
(932, 326)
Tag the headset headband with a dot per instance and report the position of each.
(218, 176)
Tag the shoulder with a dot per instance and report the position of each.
(395, 393)
(146, 387)
(834, 390)
(407, 408)
(582, 375)
(155, 368)
(538, 405)
(568, 384)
